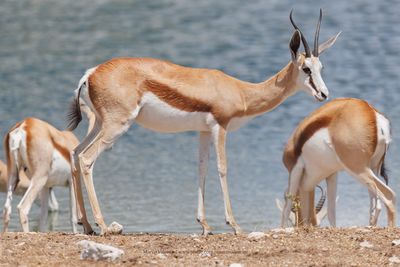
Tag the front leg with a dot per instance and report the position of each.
(291, 193)
(204, 147)
(219, 137)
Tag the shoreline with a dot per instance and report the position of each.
(361, 246)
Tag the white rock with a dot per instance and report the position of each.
(394, 259)
(161, 256)
(96, 251)
(289, 230)
(396, 242)
(235, 265)
(275, 236)
(205, 254)
(256, 235)
(366, 244)
(115, 228)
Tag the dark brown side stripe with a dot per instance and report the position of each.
(308, 132)
(174, 98)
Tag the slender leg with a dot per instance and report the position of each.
(294, 183)
(219, 137)
(104, 140)
(204, 147)
(375, 208)
(72, 207)
(11, 183)
(53, 203)
(379, 190)
(375, 205)
(76, 177)
(331, 186)
(36, 185)
(44, 208)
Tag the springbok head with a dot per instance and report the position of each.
(308, 64)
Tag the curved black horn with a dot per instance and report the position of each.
(321, 202)
(316, 38)
(305, 44)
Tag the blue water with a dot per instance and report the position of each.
(148, 181)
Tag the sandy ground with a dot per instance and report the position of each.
(302, 247)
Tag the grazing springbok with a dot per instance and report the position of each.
(166, 97)
(344, 134)
(44, 153)
(23, 185)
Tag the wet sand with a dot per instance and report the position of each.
(302, 247)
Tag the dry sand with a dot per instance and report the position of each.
(303, 247)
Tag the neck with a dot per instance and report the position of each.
(269, 94)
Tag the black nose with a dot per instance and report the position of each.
(323, 95)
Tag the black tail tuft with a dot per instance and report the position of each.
(74, 115)
(383, 171)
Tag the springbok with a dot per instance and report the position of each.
(23, 185)
(44, 153)
(165, 97)
(344, 134)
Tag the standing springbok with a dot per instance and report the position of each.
(165, 97)
(23, 185)
(344, 134)
(44, 153)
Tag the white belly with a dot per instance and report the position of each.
(157, 115)
(319, 158)
(60, 171)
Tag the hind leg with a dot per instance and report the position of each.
(331, 186)
(79, 207)
(44, 208)
(37, 184)
(381, 191)
(11, 184)
(104, 140)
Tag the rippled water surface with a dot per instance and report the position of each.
(148, 181)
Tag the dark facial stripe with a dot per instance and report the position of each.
(313, 84)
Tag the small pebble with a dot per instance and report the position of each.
(256, 235)
(205, 254)
(394, 259)
(396, 242)
(366, 244)
(161, 256)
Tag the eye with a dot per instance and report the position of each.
(307, 70)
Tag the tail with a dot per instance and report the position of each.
(383, 171)
(74, 115)
(11, 151)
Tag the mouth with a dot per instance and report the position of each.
(319, 97)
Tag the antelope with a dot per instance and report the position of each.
(344, 134)
(44, 153)
(166, 97)
(23, 185)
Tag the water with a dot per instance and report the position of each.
(148, 181)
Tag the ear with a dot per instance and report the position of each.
(322, 47)
(295, 44)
